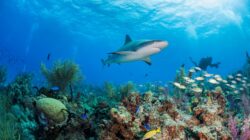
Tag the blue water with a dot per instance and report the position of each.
(86, 30)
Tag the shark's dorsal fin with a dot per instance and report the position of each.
(122, 52)
(147, 60)
(127, 39)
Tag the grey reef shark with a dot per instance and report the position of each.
(135, 50)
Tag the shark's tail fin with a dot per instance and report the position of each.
(104, 63)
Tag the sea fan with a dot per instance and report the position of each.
(62, 74)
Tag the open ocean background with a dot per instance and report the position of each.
(86, 30)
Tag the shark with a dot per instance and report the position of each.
(135, 50)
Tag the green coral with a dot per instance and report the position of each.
(62, 74)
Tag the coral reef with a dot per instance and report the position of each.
(196, 105)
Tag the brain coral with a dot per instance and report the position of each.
(53, 109)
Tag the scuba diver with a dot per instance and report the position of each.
(205, 63)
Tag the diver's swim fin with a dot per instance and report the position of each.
(216, 65)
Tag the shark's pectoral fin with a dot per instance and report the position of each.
(122, 52)
(147, 60)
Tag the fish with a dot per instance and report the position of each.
(238, 79)
(197, 90)
(151, 133)
(224, 81)
(55, 88)
(147, 126)
(197, 68)
(176, 84)
(137, 50)
(233, 82)
(233, 86)
(218, 79)
(84, 116)
(199, 78)
(137, 109)
(230, 77)
(239, 75)
(192, 70)
(213, 81)
(207, 74)
(194, 85)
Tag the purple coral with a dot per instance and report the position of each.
(245, 130)
(245, 135)
(232, 125)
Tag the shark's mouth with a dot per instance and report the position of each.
(160, 44)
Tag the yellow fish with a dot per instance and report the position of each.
(151, 133)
